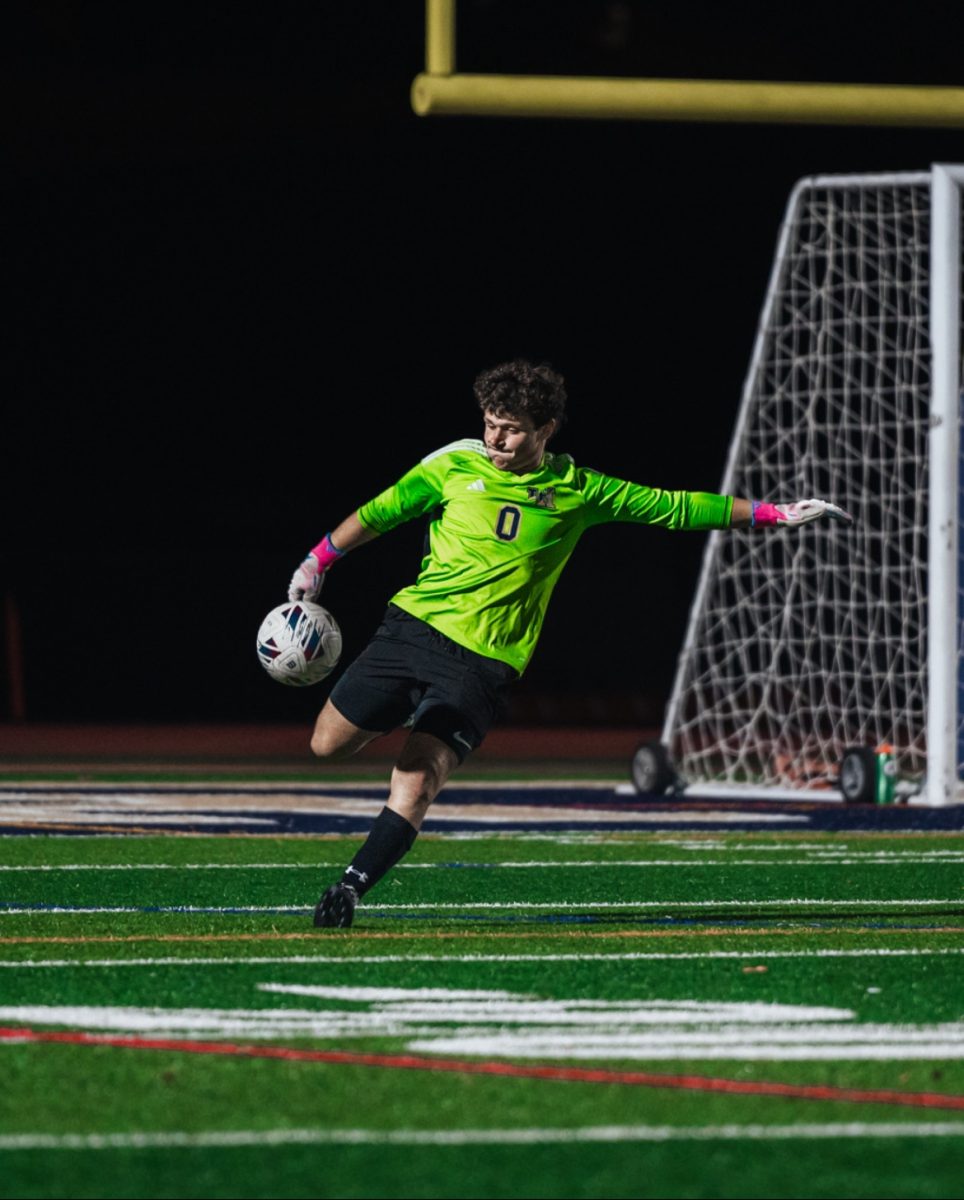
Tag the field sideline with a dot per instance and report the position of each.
(561, 992)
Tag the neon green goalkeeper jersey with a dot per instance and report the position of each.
(498, 541)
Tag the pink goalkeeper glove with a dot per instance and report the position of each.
(798, 513)
(307, 580)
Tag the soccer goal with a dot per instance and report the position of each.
(803, 645)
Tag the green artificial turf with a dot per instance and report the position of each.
(566, 938)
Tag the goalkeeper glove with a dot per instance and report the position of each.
(307, 580)
(798, 513)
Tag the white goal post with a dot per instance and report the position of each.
(802, 644)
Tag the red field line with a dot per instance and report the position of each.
(696, 1083)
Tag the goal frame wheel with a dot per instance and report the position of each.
(858, 775)
(652, 769)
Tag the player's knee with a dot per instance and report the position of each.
(334, 737)
(328, 748)
(320, 747)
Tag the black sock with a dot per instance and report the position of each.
(390, 838)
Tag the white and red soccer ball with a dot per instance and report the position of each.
(299, 643)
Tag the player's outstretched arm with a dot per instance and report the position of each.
(307, 580)
(799, 512)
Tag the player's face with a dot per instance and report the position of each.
(514, 443)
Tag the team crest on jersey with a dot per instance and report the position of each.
(543, 497)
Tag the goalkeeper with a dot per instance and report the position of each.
(505, 515)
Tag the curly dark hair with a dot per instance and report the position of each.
(522, 389)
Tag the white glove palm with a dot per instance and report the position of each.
(802, 511)
(799, 513)
(307, 580)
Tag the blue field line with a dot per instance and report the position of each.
(459, 809)
(273, 823)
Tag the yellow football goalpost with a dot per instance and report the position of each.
(441, 90)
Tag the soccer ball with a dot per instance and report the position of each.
(299, 643)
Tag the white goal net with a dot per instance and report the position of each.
(804, 643)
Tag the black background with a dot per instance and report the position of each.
(248, 288)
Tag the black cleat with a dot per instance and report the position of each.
(336, 908)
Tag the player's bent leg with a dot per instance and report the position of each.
(335, 737)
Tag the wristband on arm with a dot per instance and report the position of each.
(326, 552)
(762, 513)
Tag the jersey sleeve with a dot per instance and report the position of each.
(619, 500)
(415, 494)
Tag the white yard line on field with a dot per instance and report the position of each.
(339, 959)
(228, 1139)
(505, 905)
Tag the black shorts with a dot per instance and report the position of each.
(409, 670)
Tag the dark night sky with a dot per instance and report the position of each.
(248, 288)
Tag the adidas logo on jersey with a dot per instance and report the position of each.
(477, 485)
